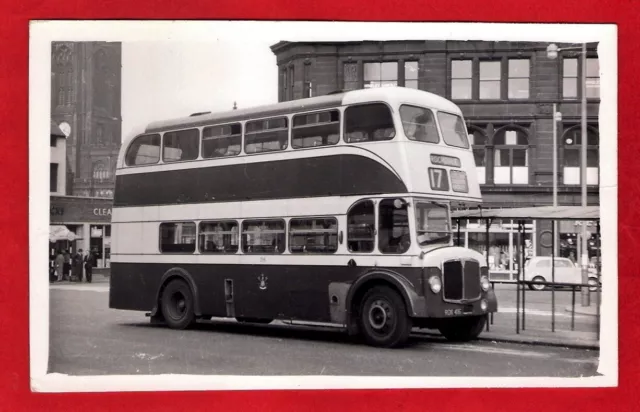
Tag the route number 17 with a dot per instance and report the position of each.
(438, 179)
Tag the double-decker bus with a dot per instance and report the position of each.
(332, 209)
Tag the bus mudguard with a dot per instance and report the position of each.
(184, 275)
(341, 295)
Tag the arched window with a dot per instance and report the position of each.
(64, 75)
(478, 140)
(572, 145)
(511, 156)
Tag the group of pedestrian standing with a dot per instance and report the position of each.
(73, 267)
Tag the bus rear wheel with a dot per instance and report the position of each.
(462, 329)
(178, 305)
(383, 319)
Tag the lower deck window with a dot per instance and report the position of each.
(313, 235)
(218, 237)
(178, 237)
(263, 236)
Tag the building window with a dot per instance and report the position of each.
(518, 84)
(144, 150)
(490, 77)
(266, 135)
(313, 235)
(315, 129)
(478, 140)
(380, 74)
(572, 145)
(593, 78)
(292, 83)
(285, 85)
(178, 237)
(263, 236)
(218, 237)
(419, 124)
(411, 72)
(571, 74)
(100, 171)
(461, 79)
(511, 156)
(350, 71)
(53, 141)
(221, 141)
(307, 81)
(361, 222)
(368, 123)
(570, 78)
(53, 177)
(181, 145)
(393, 228)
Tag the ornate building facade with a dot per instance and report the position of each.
(85, 104)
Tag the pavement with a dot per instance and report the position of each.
(544, 324)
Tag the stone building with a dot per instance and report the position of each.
(506, 91)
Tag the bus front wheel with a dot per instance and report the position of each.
(178, 305)
(383, 318)
(462, 329)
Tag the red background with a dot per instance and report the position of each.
(14, 357)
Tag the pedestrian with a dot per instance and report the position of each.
(88, 265)
(66, 266)
(76, 268)
(59, 265)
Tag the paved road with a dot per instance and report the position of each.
(88, 338)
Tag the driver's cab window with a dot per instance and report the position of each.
(393, 226)
(361, 223)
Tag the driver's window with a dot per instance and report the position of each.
(361, 223)
(393, 227)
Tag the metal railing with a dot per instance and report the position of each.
(521, 308)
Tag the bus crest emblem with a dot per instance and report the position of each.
(263, 281)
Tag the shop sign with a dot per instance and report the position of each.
(576, 226)
(67, 209)
(102, 212)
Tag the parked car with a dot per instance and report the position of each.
(538, 269)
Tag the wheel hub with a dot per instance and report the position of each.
(379, 314)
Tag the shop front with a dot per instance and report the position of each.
(81, 223)
(504, 243)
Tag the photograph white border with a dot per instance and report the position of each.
(42, 33)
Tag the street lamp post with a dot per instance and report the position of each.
(552, 53)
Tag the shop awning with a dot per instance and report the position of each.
(60, 232)
(532, 213)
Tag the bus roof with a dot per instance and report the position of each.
(392, 95)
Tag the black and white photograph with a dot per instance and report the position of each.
(309, 205)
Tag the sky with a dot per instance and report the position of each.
(164, 80)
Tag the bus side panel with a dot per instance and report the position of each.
(133, 286)
(263, 291)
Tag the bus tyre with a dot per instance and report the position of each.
(383, 318)
(178, 305)
(462, 329)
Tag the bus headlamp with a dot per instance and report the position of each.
(484, 283)
(435, 284)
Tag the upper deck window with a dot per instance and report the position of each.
(266, 135)
(454, 132)
(419, 124)
(144, 150)
(316, 129)
(368, 123)
(221, 141)
(181, 145)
